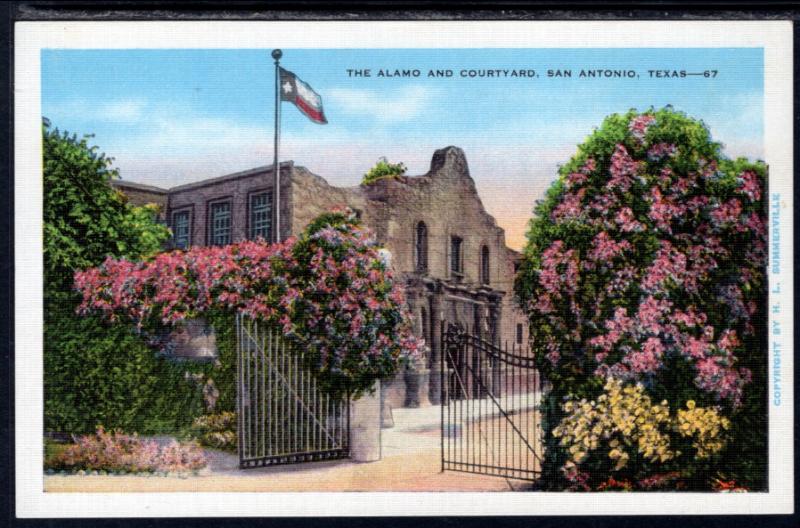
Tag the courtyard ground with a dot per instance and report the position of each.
(411, 461)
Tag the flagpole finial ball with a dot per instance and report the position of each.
(277, 54)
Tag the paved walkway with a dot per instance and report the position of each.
(411, 462)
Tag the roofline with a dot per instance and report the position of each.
(139, 186)
(228, 177)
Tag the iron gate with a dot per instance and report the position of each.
(283, 417)
(490, 408)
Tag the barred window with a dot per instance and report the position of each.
(181, 229)
(220, 224)
(261, 216)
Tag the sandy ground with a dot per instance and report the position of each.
(418, 472)
(411, 462)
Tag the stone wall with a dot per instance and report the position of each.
(446, 200)
(311, 195)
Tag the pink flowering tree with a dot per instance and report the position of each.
(645, 264)
(328, 290)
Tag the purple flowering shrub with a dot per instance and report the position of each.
(645, 264)
(328, 290)
(120, 453)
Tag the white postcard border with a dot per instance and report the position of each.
(31, 37)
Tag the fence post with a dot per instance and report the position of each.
(365, 426)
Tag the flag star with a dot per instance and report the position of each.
(287, 87)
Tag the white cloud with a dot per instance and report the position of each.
(125, 111)
(122, 110)
(384, 106)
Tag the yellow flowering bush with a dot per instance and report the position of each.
(626, 421)
(623, 418)
(705, 426)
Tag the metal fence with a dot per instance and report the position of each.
(490, 408)
(283, 416)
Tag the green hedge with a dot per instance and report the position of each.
(100, 373)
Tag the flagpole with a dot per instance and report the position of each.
(276, 168)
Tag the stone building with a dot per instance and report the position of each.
(448, 251)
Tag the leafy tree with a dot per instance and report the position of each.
(96, 373)
(85, 219)
(644, 277)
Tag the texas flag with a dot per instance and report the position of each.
(303, 96)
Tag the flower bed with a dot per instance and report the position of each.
(115, 452)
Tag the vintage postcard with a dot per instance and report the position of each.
(376, 268)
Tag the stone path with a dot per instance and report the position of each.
(411, 462)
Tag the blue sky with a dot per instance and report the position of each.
(174, 116)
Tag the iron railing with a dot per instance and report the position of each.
(490, 408)
(283, 416)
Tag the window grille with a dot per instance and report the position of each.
(220, 228)
(261, 216)
(181, 229)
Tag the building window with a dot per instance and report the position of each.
(422, 247)
(181, 229)
(519, 333)
(220, 224)
(261, 216)
(455, 255)
(485, 265)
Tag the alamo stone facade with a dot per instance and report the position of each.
(446, 249)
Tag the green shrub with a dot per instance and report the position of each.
(101, 373)
(383, 169)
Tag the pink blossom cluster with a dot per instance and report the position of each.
(669, 264)
(639, 125)
(604, 248)
(570, 208)
(727, 213)
(627, 222)
(658, 268)
(664, 210)
(661, 150)
(118, 452)
(750, 186)
(558, 273)
(623, 169)
(330, 291)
